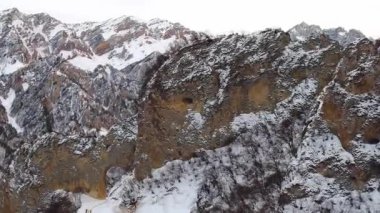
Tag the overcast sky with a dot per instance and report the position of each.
(217, 16)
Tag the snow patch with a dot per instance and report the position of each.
(300, 38)
(85, 63)
(342, 33)
(7, 104)
(180, 198)
(39, 30)
(59, 73)
(9, 68)
(195, 120)
(17, 23)
(248, 121)
(369, 108)
(103, 131)
(135, 50)
(25, 86)
(66, 54)
(320, 148)
(56, 30)
(98, 206)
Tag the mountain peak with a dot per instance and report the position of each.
(303, 31)
(117, 42)
(10, 11)
(11, 15)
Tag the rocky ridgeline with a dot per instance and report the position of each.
(303, 31)
(146, 113)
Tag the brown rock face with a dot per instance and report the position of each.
(234, 84)
(102, 48)
(355, 84)
(8, 204)
(350, 109)
(75, 123)
(60, 169)
(195, 96)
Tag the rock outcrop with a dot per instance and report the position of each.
(288, 126)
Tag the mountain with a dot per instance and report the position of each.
(303, 31)
(116, 42)
(128, 116)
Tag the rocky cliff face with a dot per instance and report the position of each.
(69, 107)
(155, 116)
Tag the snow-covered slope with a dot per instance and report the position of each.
(117, 42)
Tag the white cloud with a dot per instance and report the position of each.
(217, 16)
